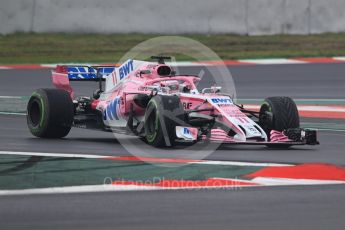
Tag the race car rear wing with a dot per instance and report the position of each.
(85, 73)
(63, 74)
(112, 75)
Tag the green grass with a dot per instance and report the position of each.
(54, 48)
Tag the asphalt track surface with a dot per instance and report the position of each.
(307, 207)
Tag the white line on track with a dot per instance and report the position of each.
(311, 108)
(287, 181)
(261, 181)
(323, 100)
(272, 61)
(235, 163)
(10, 97)
(77, 189)
(109, 188)
(331, 130)
(10, 113)
(339, 58)
(87, 156)
(67, 155)
(49, 65)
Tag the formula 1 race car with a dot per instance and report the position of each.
(149, 100)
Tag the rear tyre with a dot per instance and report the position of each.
(50, 113)
(163, 114)
(278, 113)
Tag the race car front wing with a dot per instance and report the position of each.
(296, 136)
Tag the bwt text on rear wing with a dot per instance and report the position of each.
(85, 73)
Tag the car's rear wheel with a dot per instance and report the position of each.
(278, 113)
(50, 113)
(163, 114)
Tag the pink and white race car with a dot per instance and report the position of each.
(149, 100)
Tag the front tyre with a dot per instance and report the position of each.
(163, 114)
(278, 113)
(50, 113)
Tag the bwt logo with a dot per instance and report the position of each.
(186, 131)
(125, 69)
(221, 100)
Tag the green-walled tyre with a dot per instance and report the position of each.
(50, 113)
(163, 114)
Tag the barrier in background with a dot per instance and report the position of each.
(252, 17)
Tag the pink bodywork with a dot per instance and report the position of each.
(277, 136)
(61, 81)
(138, 82)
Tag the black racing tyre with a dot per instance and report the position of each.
(278, 113)
(163, 114)
(50, 113)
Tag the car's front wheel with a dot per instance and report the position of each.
(163, 114)
(278, 113)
